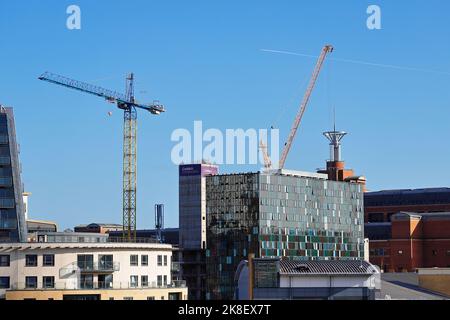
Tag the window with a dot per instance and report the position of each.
(134, 281)
(150, 298)
(85, 261)
(111, 298)
(134, 260)
(4, 282)
(31, 282)
(144, 260)
(435, 252)
(400, 251)
(4, 260)
(165, 280)
(48, 282)
(105, 281)
(448, 253)
(127, 298)
(86, 281)
(106, 262)
(31, 260)
(159, 281)
(48, 260)
(165, 260)
(144, 281)
(159, 260)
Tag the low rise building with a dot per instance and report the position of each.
(305, 280)
(88, 271)
(410, 241)
(435, 279)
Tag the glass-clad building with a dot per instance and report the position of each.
(298, 215)
(12, 215)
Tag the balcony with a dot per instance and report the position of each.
(89, 267)
(98, 286)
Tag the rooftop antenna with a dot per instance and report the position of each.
(159, 220)
(335, 138)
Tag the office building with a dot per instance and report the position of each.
(12, 213)
(192, 226)
(88, 271)
(276, 279)
(282, 213)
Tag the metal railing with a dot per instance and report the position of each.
(137, 240)
(88, 285)
(96, 266)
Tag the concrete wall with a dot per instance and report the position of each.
(324, 281)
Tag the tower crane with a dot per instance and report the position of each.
(129, 105)
(287, 146)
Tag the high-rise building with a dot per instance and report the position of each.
(192, 226)
(282, 213)
(12, 214)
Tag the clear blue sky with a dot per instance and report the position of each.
(202, 59)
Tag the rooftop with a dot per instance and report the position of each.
(8, 247)
(424, 196)
(347, 267)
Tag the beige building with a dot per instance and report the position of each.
(88, 271)
(435, 279)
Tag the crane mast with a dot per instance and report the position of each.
(129, 105)
(325, 50)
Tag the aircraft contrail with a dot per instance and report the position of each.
(359, 62)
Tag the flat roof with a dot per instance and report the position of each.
(7, 247)
(338, 267)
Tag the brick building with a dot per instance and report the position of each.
(410, 241)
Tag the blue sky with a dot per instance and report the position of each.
(202, 59)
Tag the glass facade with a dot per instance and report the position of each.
(12, 216)
(274, 215)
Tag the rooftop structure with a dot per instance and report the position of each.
(286, 279)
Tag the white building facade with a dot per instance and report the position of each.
(88, 271)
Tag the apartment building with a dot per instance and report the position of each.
(88, 271)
